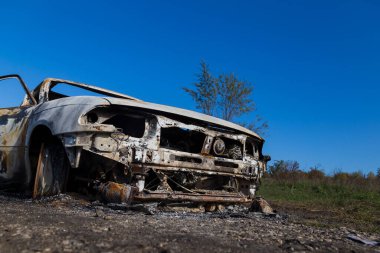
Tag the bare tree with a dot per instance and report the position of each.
(205, 92)
(225, 97)
(233, 97)
(258, 125)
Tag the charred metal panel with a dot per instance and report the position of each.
(13, 125)
(62, 116)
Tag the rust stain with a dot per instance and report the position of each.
(116, 193)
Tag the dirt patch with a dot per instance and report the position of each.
(323, 217)
(70, 224)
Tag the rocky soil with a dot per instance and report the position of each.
(68, 223)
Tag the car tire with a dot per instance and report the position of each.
(52, 170)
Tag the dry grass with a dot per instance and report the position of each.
(351, 200)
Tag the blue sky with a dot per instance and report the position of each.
(314, 64)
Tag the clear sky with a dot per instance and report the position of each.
(315, 65)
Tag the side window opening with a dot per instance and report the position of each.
(12, 93)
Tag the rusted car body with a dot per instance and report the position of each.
(124, 150)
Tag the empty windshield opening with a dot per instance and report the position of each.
(62, 90)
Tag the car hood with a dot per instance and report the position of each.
(180, 112)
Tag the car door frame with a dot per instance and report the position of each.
(13, 125)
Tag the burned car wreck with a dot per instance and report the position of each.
(124, 150)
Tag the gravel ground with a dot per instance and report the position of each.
(70, 224)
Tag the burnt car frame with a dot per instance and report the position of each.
(122, 149)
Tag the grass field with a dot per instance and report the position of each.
(327, 201)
